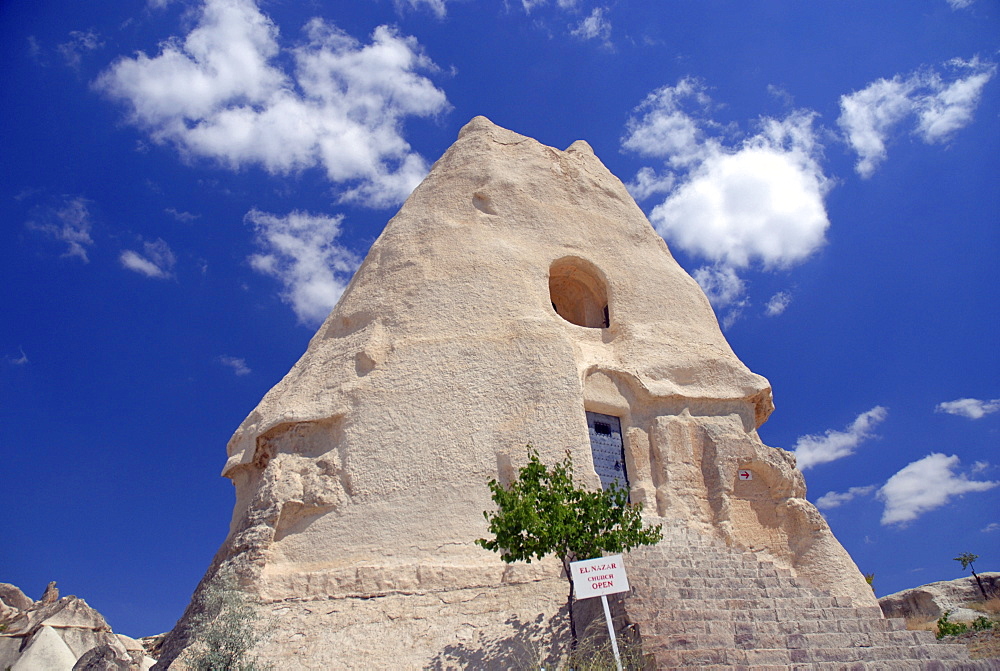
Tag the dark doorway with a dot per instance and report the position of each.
(608, 449)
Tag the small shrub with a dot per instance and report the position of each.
(227, 628)
(948, 628)
(982, 623)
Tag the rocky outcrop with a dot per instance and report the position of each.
(929, 602)
(103, 658)
(14, 598)
(59, 634)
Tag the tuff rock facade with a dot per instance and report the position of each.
(519, 288)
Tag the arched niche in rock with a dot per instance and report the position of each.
(578, 293)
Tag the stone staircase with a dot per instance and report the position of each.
(698, 603)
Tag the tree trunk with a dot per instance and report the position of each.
(569, 604)
(978, 581)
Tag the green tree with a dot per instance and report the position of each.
(227, 627)
(967, 558)
(543, 512)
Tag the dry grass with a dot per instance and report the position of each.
(598, 656)
(990, 606)
(981, 644)
(921, 624)
(594, 653)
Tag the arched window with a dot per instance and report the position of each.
(578, 294)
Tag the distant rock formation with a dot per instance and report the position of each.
(930, 601)
(61, 634)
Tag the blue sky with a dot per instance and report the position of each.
(186, 188)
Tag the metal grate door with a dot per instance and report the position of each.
(607, 448)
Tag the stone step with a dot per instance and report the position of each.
(717, 583)
(699, 603)
(728, 573)
(719, 635)
(800, 640)
(728, 580)
(690, 611)
(848, 626)
(876, 654)
(894, 657)
(775, 597)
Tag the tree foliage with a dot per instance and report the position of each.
(966, 559)
(543, 512)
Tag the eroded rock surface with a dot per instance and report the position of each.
(518, 288)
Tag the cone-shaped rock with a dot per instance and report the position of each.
(517, 290)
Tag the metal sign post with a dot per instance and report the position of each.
(611, 631)
(600, 577)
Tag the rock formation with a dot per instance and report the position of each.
(519, 296)
(929, 602)
(61, 634)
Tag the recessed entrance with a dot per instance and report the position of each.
(578, 294)
(608, 449)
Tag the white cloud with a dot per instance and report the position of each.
(721, 285)
(951, 106)
(941, 105)
(437, 6)
(185, 217)
(157, 260)
(671, 125)
(529, 5)
(80, 42)
(867, 116)
(239, 366)
(299, 250)
(811, 450)
(778, 303)
(219, 93)
(759, 201)
(19, 360)
(724, 290)
(593, 27)
(780, 94)
(991, 527)
(925, 485)
(836, 499)
(647, 183)
(973, 408)
(959, 4)
(67, 222)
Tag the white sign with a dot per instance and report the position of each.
(746, 475)
(597, 577)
